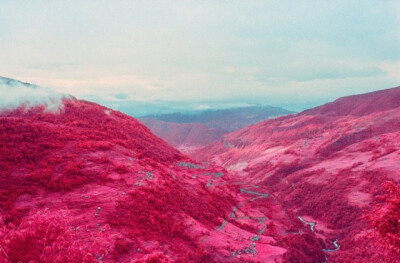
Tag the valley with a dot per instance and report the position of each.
(86, 183)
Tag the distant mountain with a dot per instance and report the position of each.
(184, 136)
(226, 120)
(189, 131)
(13, 82)
(328, 165)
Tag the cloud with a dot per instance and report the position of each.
(15, 93)
(316, 69)
(204, 51)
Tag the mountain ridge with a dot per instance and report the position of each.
(190, 131)
(237, 117)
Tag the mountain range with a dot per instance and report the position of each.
(85, 183)
(187, 131)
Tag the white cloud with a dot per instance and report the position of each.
(15, 93)
(106, 86)
(203, 107)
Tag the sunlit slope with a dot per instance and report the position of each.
(326, 164)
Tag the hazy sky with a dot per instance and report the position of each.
(294, 54)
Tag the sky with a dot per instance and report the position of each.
(158, 56)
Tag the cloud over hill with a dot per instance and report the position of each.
(15, 93)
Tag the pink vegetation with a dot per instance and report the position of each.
(327, 164)
(94, 185)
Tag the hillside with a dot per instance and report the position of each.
(327, 164)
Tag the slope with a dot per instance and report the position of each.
(326, 164)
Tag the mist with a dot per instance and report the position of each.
(15, 93)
